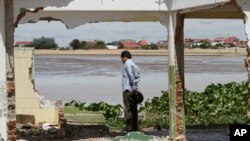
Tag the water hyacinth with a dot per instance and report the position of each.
(218, 104)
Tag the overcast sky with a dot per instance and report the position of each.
(151, 31)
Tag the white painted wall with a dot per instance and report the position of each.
(115, 5)
(31, 4)
(3, 101)
(78, 12)
(76, 18)
(135, 5)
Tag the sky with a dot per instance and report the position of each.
(112, 31)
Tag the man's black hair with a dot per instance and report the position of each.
(126, 54)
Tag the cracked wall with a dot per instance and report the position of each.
(29, 103)
(7, 88)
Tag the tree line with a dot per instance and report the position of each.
(77, 44)
(49, 43)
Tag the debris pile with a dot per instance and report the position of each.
(34, 132)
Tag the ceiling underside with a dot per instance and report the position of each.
(227, 11)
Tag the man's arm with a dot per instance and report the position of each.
(137, 78)
(129, 71)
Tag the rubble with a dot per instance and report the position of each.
(50, 132)
(47, 126)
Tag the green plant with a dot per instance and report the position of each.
(113, 112)
(44, 43)
(75, 44)
(146, 47)
(218, 104)
(115, 125)
(100, 45)
(76, 104)
(110, 113)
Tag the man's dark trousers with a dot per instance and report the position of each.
(130, 111)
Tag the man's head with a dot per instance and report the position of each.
(125, 55)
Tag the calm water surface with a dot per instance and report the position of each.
(98, 78)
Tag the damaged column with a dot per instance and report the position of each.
(245, 7)
(171, 72)
(9, 40)
(180, 77)
(176, 76)
(7, 92)
(3, 95)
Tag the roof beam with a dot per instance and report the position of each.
(215, 15)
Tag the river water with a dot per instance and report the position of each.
(98, 78)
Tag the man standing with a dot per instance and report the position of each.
(130, 80)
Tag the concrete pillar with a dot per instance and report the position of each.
(176, 76)
(180, 79)
(3, 95)
(244, 5)
(171, 72)
(10, 77)
(248, 62)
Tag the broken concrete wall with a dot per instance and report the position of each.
(245, 7)
(29, 104)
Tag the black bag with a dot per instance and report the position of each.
(138, 97)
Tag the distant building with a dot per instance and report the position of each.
(199, 42)
(218, 41)
(233, 38)
(226, 42)
(111, 46)
(163, 44)
(23, 43)
(231, 41)
(196, 42)
(129, 45)
(188, 43)
(143, 43)
(241, 44)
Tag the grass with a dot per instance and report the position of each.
(88, 117)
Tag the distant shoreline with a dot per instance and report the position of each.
(188, 52)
